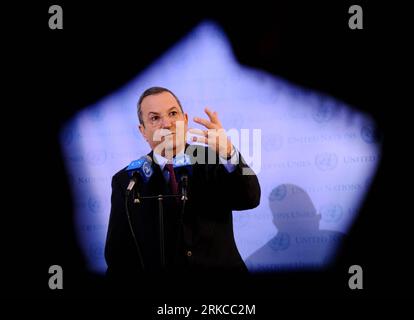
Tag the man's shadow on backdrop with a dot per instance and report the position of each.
(299, 243)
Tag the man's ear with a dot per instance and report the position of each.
(142, 130)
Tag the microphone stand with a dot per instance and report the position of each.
(160, 199)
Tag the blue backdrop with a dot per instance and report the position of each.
(317, 155)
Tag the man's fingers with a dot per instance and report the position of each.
(198, 132)
(213, 116)
(199, 139)
(204, 122)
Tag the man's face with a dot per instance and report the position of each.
(165, 125)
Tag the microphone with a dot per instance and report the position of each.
(139, 168)
(184, 186)
(183, 168)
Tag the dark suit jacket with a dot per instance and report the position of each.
(205, 228)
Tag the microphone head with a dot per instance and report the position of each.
(182, 164)
(181, 161)
(141, 166)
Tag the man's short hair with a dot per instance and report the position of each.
(152, 91)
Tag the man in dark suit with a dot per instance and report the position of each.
(198, 233)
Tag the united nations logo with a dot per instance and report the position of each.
(280, 242)
(96, 251)
(279, 193)
(331, 213)
(96, 158)
(324, 112)
(326, 161)
(93, 205)
(369, 134)
(95, 114)
(272, 142)
(146, 168)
